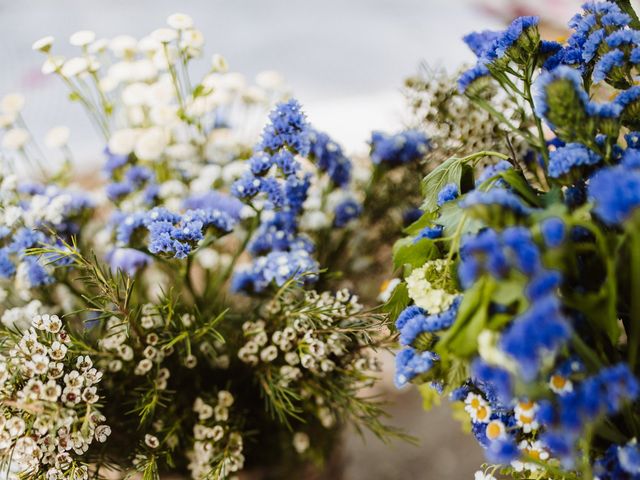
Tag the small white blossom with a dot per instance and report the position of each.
(82, 38)
(57, 137)
(15, 139)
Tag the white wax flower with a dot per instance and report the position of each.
(151, 143)
(82, 38)
(180, 21)
(123, 141)
(219, 63)
(52, 64)
(269, 80)
(57, 137)
(164, 35)
(15, 139)
(43, 44)
(12, 103)
(123, 45)
(74, 67)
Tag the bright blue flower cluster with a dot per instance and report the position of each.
(127, 178)
(328, 156)
(127, 260)
(571, 158)
(411, 363)
(491, 47)
(170, 233)
(346, 211)
(401, 148)
(67, 211)
(275, 173)
(288, 128)
(616, 193)
(276, 267)
(448, 193)
(605, 392)
(500, 197)
(411, 323)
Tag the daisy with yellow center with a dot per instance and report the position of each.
(495, 429)
(533, 451)
(560, 384)
(477, 408)
(525, 414)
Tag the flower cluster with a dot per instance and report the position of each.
(217, 449)
(536, 257)
(50, 414)
(184, 272)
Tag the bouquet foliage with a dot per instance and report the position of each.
(520, 293)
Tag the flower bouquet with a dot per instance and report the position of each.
(520, 292)
(189, 314)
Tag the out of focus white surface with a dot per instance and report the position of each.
(344, 60)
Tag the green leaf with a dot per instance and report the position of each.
(426, 220)
(448, 172)
(626, 7)
(462, 338)
(450, 217)
(398, 302)
(415, 254)
(517, 181)
(430, 396)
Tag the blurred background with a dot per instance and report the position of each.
(345, 61)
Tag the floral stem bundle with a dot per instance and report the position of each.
(520, 293)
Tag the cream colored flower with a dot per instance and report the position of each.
(123, 141)
(15, 139)
(57, 137)
(269, 80)
(12, 103)
(52, 64)
(151, 143)
(180, 21)
(82, 38)
(74, 66)
(219, 63)
(44, 44)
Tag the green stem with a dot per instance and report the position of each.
(633, 335)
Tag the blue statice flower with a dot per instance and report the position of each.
(495, 197)
(127, 260)
(553, 231)
(494, 380)
(37, 275)
(570, 80)
(616, 193)
(571, 157)
(605, 392)
(7, 267)
(171, 233)
(634, 56)
(536, 333)
(514, 33)
(424, 323)
(629, 458)
(492, 170)
(260, 163)
(591, 45)
(621, 38)
(522, 250)
(329, 157)
(470, 76)
(411, 363)
(277, 268)
(448, 193)
(545, 282)
(114, 162)
(407, 314)
(247, 186)
(606, 63)
(481, 42)
(479, 253)
(214, 200)
(628, 97)
(429, 232)
(502, 450)
(631, 158)
(288, 127)
(401, 148)
(117, 190)
(346, 211)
